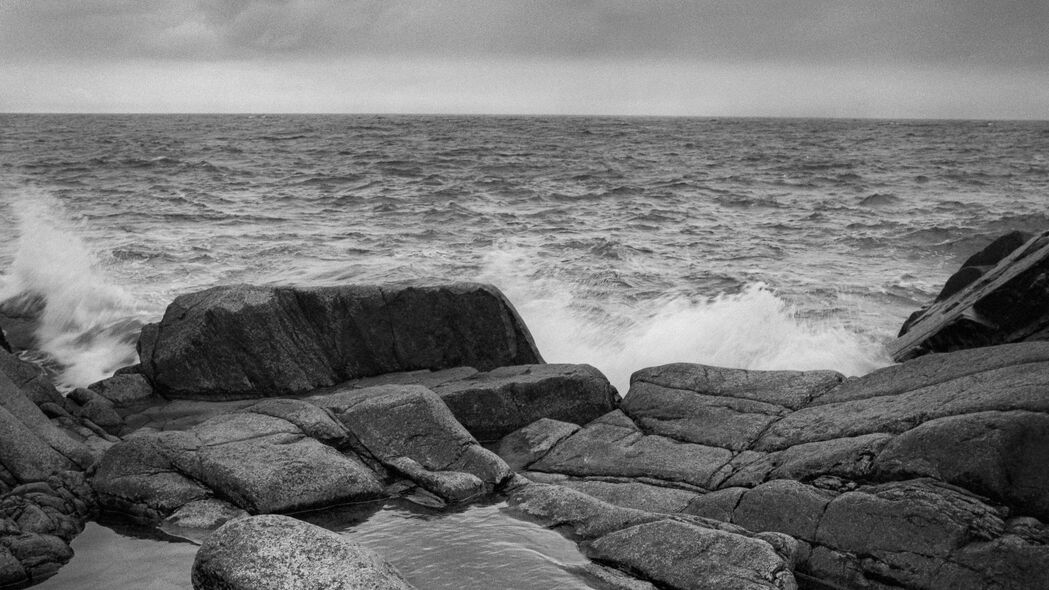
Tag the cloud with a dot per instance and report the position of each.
(1009, 33)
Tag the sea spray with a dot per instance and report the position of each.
(752, 329)
(86, 326)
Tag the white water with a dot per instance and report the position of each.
(87, 323)
(752, 329)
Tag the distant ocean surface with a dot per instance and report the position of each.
(623, 242)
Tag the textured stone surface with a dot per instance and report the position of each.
(493, 404)
(244, 341)
(1005, 300)
(525, 446)
(280, 553)
(905, 478)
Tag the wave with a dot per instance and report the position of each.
(751, 329)
(86, 325)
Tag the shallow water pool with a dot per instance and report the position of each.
(477, 547)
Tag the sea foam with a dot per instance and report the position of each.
(751, 329)
(88, 325)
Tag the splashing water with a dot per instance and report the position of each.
(752, 329)
(87, 326)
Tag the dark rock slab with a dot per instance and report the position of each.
(673, 551)
(495, 403)
(245, 341)
(789, 389)
(984, 306)
(527, 445)
(683, 555)
(409, 429)
(613, 445)
(1000, 454)
(280, 553)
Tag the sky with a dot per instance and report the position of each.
(982, 59)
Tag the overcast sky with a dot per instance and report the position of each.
(839, 58)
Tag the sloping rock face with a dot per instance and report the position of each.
(1000, 295)
(44, 498)
(280, 553)
(928, 474)
(672, 551)
(245, 341)
(285, 455)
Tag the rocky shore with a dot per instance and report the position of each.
(253, 403)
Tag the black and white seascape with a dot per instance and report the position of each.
(767, 187)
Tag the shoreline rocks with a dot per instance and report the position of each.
(999, 296)
(245, 342)
(929, 474)
(274, 552)
(921, 475)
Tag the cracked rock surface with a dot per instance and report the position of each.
(928, 474)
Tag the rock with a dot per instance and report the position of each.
(670, 551)
(493, 404)
(789, 389)
(4, 344)
(245, 341)
(258, 462)
(281, 553)
(999, 454)
(31, 446)
(196, 520)
(527, 445)
(126, 391)
(682, 555)
(901, 478)
(30, 379)
(97, 409)
(411, 422)
(614, 446)
(1007, 302)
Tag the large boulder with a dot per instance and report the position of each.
(281, 553)
(246, 341)
(999, 296)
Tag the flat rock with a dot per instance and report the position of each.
(613, 445)
(790, 389)
(527, 445)
(495, 403)
(683, 555)
(282, 553)
(245, 341)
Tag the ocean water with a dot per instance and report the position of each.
(623, 242)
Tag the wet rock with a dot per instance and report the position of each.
(1000, 295)
(126, 391)
(999, 454)
(613, 445)
(30, 379)
(527, 445)
(493, 404)
(683, 555)
(279, 553)
(244, 341)
(671, 551)
(258, 462)
(409, 428)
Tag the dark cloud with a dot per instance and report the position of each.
(1010, 33)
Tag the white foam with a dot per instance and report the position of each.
(752, 329)
(88, 324)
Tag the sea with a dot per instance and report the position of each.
(622, 242)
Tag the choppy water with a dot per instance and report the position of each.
(624, 242)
